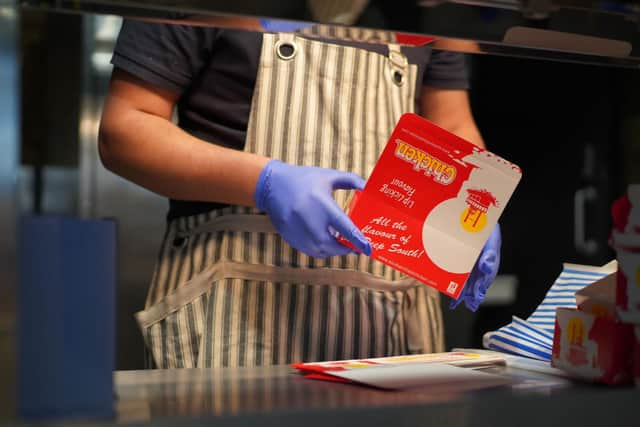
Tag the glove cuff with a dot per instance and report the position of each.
(263, 186)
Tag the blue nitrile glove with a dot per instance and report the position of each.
(283, 26)
(483, 274)
(300, 203)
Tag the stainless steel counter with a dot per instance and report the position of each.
(279, 396)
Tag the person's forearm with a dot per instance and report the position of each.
(156, 154)
(468, 130)
(450, 109)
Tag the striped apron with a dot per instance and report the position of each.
(229, 291)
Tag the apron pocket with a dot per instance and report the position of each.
(172, 328)
(424, 324)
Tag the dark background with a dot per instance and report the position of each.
(569, 127)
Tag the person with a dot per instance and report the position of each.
(270, 128)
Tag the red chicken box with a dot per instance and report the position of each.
(625, 239)
(599, 298)
(431, 203)
(592, 347)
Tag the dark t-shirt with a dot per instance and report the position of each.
(214, 72)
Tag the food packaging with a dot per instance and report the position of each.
(625, 239)
(431, 203)
(593, 347)
(599, 298)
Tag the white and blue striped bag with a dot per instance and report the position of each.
(533, 338)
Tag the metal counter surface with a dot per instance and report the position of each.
(279, 396)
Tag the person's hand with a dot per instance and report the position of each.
(299, 200)
(483, 274)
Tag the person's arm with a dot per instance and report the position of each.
(138, 141)
(450, 109)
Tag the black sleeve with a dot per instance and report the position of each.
(165, 55)
(446, 70)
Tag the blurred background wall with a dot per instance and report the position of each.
(9, 143)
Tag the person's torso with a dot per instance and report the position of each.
(217, 105)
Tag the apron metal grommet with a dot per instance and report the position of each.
(397, 77)
(179, 242)
(286, 50)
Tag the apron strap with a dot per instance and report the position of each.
(286, 37)
(259, 273)
(232, 222)
(397, 58)
(398, 64)
(286, 47)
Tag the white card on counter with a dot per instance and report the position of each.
(399, 377)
